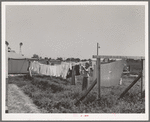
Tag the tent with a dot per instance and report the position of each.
(17, 63)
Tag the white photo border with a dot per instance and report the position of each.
(53, 117)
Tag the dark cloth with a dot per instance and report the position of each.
(69, 74)
(85, 83)
(77, 70)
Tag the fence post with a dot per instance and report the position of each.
(141, 77)
(73, 76)
(98, 76)
(143, 84)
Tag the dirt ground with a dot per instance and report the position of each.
(18, 102)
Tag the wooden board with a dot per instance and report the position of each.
(119, 57)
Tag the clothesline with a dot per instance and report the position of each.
(63, 70)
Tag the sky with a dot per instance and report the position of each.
(73, 31)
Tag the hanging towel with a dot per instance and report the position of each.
(53, 70)
(47, 70)
(43, 70)
(58, 70)
(65, 69)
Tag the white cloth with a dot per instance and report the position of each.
(43, 69)
(54, 70)
(34, 67)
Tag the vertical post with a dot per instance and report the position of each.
(143, 88)
(73, 76)
(98, 76)
(97, 48)
(141, 77)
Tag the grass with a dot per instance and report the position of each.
(18, 102)
(57, 95)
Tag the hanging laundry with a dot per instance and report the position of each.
(77, 70)
(34, 67)
(48, 70)
(58, 70)
(43, 69)
(65, 69)
(53, 70)
(69, 74)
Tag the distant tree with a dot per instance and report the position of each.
(35, 56)
(89, 59)
(46, 58)
(68, 59)
(84, 60)
(49, 59)
(72, 59)
(59, 58)
(77, 59)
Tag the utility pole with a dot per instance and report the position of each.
(97, 48)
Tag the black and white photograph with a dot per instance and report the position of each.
(75, 60)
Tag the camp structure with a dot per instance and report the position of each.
(17, 63)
